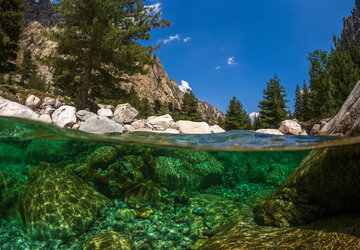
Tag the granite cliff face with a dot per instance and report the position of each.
(156, 85)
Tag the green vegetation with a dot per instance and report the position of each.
(97, 45)
(11, 26)
(236, 117)
(27, 67)
(189, 108)
(273, 106)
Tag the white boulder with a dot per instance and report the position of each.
(124, 113)
(83, 115)
(189, 127)
(13, 109)
(103, 106)
(48, 101)
(171, 131)
(101, 125)
(138, 124)
(105, 112)
(64, 116)
(290, 127)
(215, 129)
(45, 118)
(269, 131)
(164, 121)
(32, 102)
(128, 128)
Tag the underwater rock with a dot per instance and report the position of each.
(102, 157)
(108, 240)
(10, 155)
(58, 205)
(185, 170)
(341, 232)
(56, 151)
(327, 181)
(144, 212)
(144, 194)
(347, 120)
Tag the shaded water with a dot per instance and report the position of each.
(60, 189)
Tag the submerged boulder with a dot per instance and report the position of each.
(108, 240)
(58, 205)
(327, 181)
(185, 169)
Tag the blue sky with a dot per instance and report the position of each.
(231, 48)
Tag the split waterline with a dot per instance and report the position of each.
(65, 189)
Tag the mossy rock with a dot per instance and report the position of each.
(108, 240)
(144, 194)
(58, 205)
(327, 181)
(10, 155)
(185, 169)
(102, 157)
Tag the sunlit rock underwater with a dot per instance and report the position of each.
(66, 189)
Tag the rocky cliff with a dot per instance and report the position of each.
(156, 85)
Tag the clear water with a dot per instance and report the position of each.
(60, 189)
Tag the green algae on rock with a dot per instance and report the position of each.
(327, 181)
(58, 205)
(108, 240)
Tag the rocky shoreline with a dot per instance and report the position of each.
(108, 119)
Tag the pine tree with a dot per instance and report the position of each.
(11, 26)
(144, 108)
(189, 108)
(321, 101)
(2, 79)
(37, 81)
(298, 112)
(273, 106)
(157, 106)
(257, 123)
(236, 117)
(27, 67)
(97, 45)
(306, 103)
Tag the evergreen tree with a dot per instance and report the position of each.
(37, 81)
(2, 79)
(273, 106)
(321, 101)
(236, 117)
(27, 67)
(298, 113)
(257, 123)
(157, 106)
(97, 45)
(189, 108)
(306, 103)
(344, 70)
(11, 26)
(144, 108)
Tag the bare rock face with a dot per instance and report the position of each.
(156, 85)
(347, 121)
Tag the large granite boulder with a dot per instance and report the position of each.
(189, 127)
(65, 116)
(327, 181)
(83, 115)
(215, 129)
(108, 240)
(124, 113)
(290, 127)
(164, 121)
(59, 205)
(32, 102)
(101, 125)
(13, 109)
(105, 112)
(184, 169)
(347, 120)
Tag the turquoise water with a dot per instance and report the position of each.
(64, 189)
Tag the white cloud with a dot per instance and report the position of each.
(253, 115)
(184, 86)
(155, 6)
(187, 39)
(231, 61)
(171, 38)
(218, 67)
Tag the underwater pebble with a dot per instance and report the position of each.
(199, 211)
